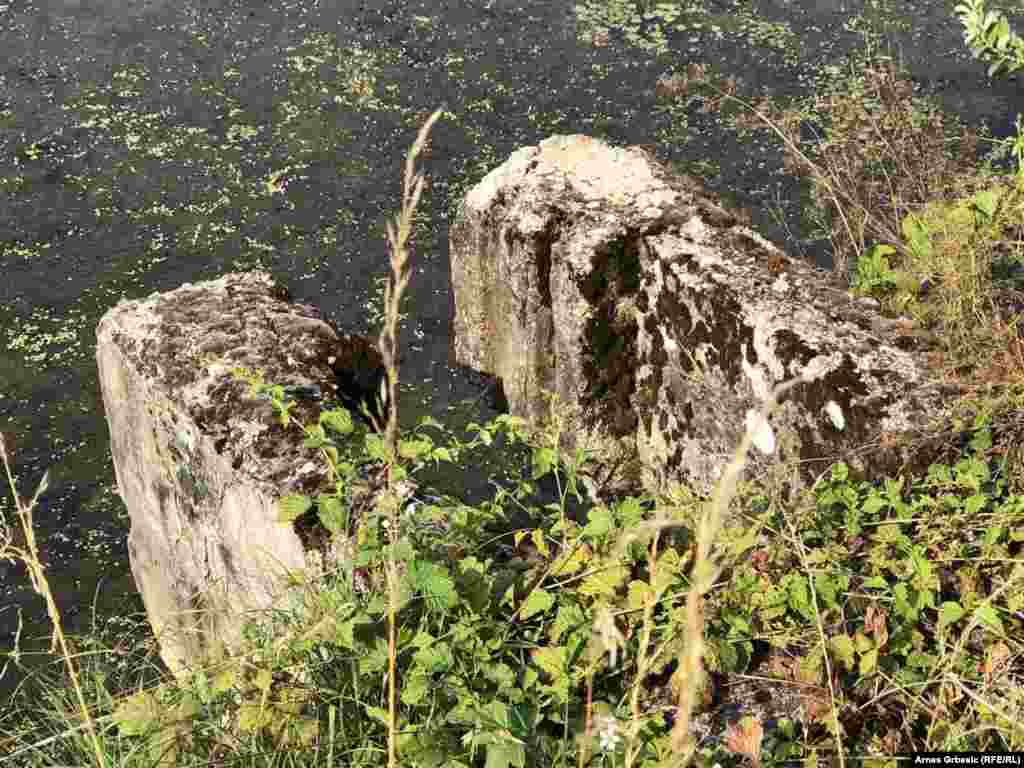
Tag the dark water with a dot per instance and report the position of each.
(87, 87)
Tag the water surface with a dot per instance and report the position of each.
(140, 144)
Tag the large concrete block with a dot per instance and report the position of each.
(661, 320)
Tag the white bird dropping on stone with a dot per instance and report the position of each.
(764, 439)
(835, 413)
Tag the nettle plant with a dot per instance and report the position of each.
(472, 641)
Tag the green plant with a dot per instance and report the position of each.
(873, 272)
(30, 556)
(989, 36)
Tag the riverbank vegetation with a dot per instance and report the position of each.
(860, 619)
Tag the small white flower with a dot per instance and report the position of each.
(762, 435)
(835, 413)
(609, 734)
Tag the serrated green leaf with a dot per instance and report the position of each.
(332, 513)
(253, 718)
(434, 659)
(505, 754)
(572, 562)
(842, 648)
(987, 615)
(538, 602)
(544, 459)
(552, 660)
(414, 448)
(950, 613)
(599, 522)
(415, 688)
(629, 512)
(434, 583)
(292, 506)
(338, 420)
(137, 714)
(640, 593)
(605, 582)
(569, 618)
(442, 454)
(869, 662)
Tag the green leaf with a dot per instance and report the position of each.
(599, 522)
(987, 615)
(434, 659)
(442, 454)
(842, 647)
(344, 635)
(537, 536)
(920, 660)
(605, 582)
(827, 588)
(499, 673)
(569, 618)
(415, 688)
(378, 714)
(263, 680)
(572, 561)
(402, 551)
(799, 596)
(552, 660)
(375, 447)
(544, 459)
(538, 602)
(506, 753)
(332, 514)
(225, 681)
(629, 512)
(137, 714)
(949, 613)
(916, 234)
(415, 448)
(869, 662)
(253, 718)
(315, 436)
(292, 506)
(986, 202)
(338, 420)
(434, 583)
(640, 593)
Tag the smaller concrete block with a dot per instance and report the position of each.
(201, 465)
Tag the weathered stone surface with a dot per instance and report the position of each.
(660, 320)
(201, 466)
